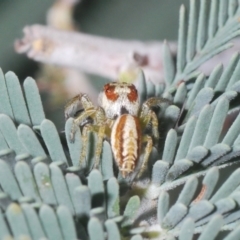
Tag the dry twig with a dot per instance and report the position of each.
(106, 57)
(102, 56)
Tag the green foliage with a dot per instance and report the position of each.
(207, 32)
(223, 201)
(47, 193)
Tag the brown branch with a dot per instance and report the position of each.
(103, 56)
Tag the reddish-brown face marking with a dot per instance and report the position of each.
(110, 92)
(133, 95)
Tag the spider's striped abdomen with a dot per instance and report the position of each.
(126, 142)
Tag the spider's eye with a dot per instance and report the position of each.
(109, 89)
(133, 95)
(110, 92)
(134, 90)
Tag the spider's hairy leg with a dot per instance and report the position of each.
(78, 121)
(89, 119)
(101, 134)
(86, 129)
(155, 101)
(151, 117)
(147, 115)
(147, 152)
(152, 102)
(101, 127)
(77, 104)
(154, 125)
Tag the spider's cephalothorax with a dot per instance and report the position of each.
(120, 119)
(119, 98)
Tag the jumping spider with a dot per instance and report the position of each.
(120, 119)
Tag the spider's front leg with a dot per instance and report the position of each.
(81, 109)
(147, 115)
(98, 126)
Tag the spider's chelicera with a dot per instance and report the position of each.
(120, 119)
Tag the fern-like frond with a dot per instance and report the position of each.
(47, 193)
(24, 221)
(196, 139)
(211, 232)
(26, 110)
(207, 31)
(201, 207)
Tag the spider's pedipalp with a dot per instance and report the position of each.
(81, 109)
(80, 102)
(73, 106)
(81, 121)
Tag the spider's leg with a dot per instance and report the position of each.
(100, 130)
(148, 150)
(101, 122)
(81, 102)
(101, 134)
(72, 106)
(73, 132)
(86, 129)
(155, 101)
(147, 117)
(78, 120)
(150, 103)
(154, 121)
(76, 104)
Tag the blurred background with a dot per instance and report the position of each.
(145, 20)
